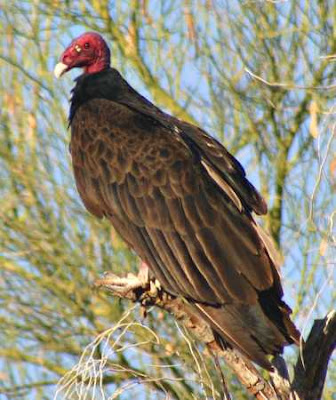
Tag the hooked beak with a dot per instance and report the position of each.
(60, 69)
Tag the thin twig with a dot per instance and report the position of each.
(288, 86)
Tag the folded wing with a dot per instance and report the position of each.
(182, 202)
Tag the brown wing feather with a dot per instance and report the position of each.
(235, 259)
(225, 169)
(196, 235)
(220, 164)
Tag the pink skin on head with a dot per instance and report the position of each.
(89, 51)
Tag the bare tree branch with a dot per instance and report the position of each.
(150, 295)
(311, 367)
(310, 370)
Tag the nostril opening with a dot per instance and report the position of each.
(65, 58)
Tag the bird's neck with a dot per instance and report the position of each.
(99, 65)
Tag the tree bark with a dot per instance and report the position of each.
(312, 364)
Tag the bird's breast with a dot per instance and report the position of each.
(111, 140)
(116, 150)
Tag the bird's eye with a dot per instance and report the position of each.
(86, 45)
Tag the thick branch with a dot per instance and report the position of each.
(308, 383)
(312, 365)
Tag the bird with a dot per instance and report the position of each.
(180, 201)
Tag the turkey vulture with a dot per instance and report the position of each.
(180, 200)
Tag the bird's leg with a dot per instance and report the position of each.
(131, 286)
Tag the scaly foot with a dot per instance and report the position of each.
(122, 286)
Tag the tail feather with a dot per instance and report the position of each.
(278, 313)
(246, 328)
